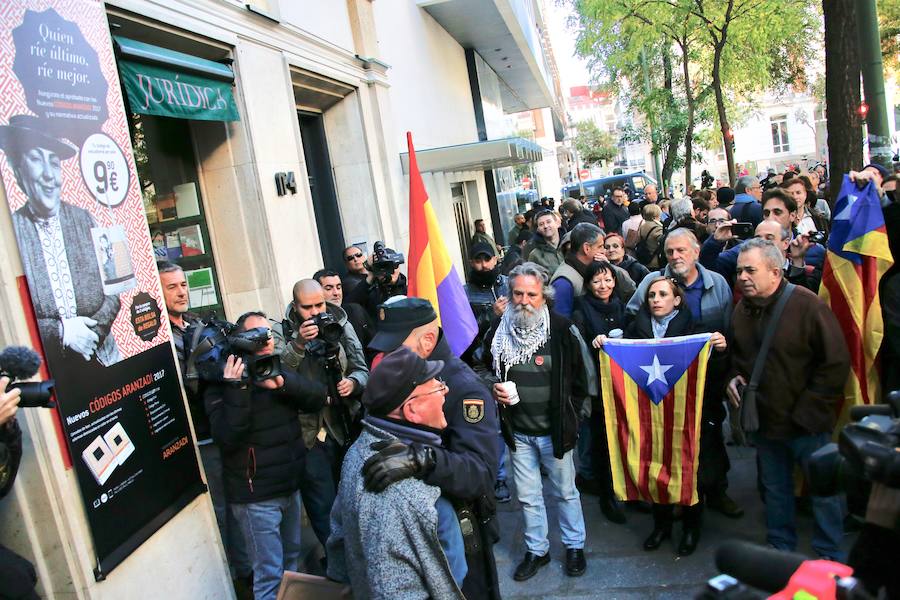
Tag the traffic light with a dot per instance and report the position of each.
(863, 110)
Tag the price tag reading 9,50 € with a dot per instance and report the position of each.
(104, 169)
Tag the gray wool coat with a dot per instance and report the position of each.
(386, 545)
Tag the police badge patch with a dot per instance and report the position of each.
(473, 410)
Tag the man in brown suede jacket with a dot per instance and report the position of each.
(803, 380)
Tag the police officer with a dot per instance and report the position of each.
(465, 467)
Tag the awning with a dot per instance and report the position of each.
(167, 83)
(477, 156)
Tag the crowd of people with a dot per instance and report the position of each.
(402, 495)
(400, 451)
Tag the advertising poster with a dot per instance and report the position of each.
(80, 223)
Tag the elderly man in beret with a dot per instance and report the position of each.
(404, 542)
(464, 466)
(74, 315)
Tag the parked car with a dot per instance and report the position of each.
(594, 189)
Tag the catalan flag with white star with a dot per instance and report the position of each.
(653, 398)
(857, 258)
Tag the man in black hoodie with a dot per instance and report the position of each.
(255, 424)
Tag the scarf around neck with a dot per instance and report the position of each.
(660, 326)
(513, 345)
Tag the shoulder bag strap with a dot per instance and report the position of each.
(767, 338)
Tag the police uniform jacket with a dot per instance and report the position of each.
(466, 465)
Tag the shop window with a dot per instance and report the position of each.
(167, 173)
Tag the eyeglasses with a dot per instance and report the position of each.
(717, 221)
(441, 389)
(353, 256)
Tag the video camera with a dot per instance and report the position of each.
(868, 450)
(213, 340)
(384, 262)
(19, 362)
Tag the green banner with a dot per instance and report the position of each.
(155, 90)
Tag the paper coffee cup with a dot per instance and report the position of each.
(510, 387)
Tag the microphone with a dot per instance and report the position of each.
(19, 362)
(763, 568)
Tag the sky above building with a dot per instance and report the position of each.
(573, 70)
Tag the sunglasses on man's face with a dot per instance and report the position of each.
(350, 257)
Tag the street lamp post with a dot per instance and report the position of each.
(873, 83)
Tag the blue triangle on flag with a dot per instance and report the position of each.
(656, 365)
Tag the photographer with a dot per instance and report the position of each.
(326, 350)
(383, 281)
(254, 422)
(183, 326)
(17, 575)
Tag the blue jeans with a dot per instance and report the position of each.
(272, 532)
(776, 465)
(501, 466)
(532, 452)
(232, 538)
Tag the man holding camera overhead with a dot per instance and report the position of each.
(253, 418)
(325, 349)
(383, 281)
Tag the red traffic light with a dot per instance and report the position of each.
(863, 110)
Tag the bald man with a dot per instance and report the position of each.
(325, 433)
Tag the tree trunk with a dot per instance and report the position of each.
(673, 134)
(720, 109)
(689, 130)
(842, 94)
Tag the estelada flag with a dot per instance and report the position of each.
(652, 400)
(431, 273)
(858, 256)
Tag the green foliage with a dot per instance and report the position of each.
(889, 29)
(593, 144)
(762, 44)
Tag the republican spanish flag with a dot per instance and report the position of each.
(858, 255)
(431, 274)
(652, 402)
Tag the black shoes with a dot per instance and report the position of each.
(612, 509)
(689, 539)
(530, 565)
(575, 563)
(656, 538)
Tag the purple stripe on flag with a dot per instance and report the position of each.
(457, 319)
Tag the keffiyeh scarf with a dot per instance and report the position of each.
(514, 345)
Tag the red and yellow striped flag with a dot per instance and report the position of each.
(858, 256)
(652, 399)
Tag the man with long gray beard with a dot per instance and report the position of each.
(540, 361)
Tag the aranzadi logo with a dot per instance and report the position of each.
(175, 447)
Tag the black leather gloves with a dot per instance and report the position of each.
(394, 461)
